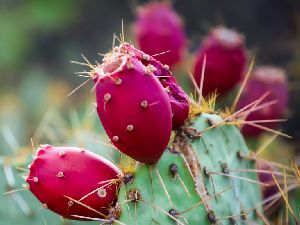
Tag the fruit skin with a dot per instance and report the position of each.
(57, 172)
(158, 29)
(265, 79)
(179, 100)
(225, 60)
(133, 107)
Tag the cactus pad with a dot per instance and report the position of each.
(197, 181)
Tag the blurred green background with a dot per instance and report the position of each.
(39, 38)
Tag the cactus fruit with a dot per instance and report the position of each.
(133, 107)
(60, 174)
(159, 29)
(150, 99)
(178, 98)
(225, 60)
(265, 79)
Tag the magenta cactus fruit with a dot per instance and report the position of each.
(133, 106)
(225, 60)
(265, 79)
(178, 98)
(159, 29)
(60, 174)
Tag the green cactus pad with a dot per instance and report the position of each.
(210, 167)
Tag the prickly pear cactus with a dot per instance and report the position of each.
(194, 182)
(199, 173)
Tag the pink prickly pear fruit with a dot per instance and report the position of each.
(61, 172)
(178, 98)
(265, 176)
(158, 29)
(225, 60)
(265, 79)
(133, 106)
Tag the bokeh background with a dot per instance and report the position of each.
(39, 38)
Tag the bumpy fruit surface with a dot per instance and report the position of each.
(179, 100)
(133, 106)
(158, 29)
(265, 79)
(225, 60)
(60, 174)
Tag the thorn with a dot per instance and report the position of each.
(78, 87)
(70, 203)
(202, 80)
(118, 81)
(101, 192)
(86, 206)
(61, 153)
(161, 53)
(115, 138)
(129, 65)
(166, 67)
(164, 187)
(107, 97)
(265, 145)
(134, 195)
(243, 85)
(146, 57)
(129, 128)
(144, 104)
(60, 175)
